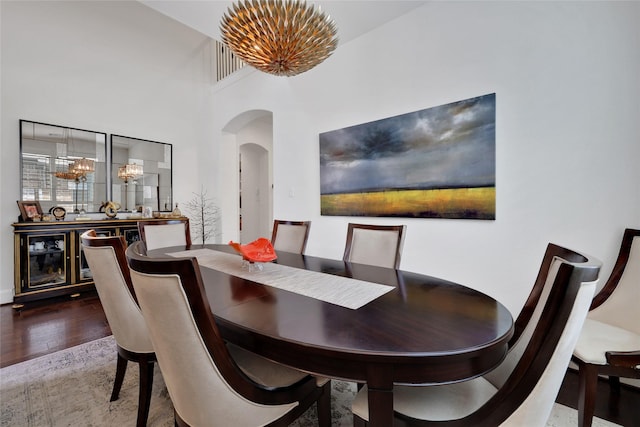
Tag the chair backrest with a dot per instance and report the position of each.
(379, 245)
(530, 377)
(544, 279)
(203, 381)
(106, 259)
(619, 308)
(290, 236)
(164, 233)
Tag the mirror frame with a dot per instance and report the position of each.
(100, 159)
(164, 199)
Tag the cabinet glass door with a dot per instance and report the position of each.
(131, 235)
(84, 274)
(47, 261)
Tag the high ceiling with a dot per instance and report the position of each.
(353, 17)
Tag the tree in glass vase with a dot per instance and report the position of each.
(203, 216)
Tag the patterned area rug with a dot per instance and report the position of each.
(72, 388)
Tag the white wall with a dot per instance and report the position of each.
(568, 103)
(115, 67)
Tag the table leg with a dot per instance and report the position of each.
(380, 405)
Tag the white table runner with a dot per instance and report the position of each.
(342, 291)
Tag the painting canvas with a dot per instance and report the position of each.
(438, 162)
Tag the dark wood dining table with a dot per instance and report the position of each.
(426, 330)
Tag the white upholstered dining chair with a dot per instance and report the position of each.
(290, 236)
(106, 259)
(379, 245)
(522, 389)
(164, 233)
(208, 381)
(610, 340)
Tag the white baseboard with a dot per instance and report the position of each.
(6, 296)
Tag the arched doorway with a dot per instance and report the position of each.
(250, 136)
(254, 194)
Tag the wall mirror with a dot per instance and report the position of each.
(63, 166)
(141, 174)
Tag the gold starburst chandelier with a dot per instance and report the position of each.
(281, 37)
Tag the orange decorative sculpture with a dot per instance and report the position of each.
(259, 250)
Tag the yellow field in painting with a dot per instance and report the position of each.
(478, 202)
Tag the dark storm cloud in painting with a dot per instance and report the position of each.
(449, 146)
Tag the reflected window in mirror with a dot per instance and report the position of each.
(63, 166)
(141, 174)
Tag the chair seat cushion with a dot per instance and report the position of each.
(597, 337)
(262, 370)
(436, 402)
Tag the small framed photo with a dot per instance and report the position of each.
(30, 211)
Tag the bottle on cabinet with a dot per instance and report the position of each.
(176, 211)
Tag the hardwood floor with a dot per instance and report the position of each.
(46, 327)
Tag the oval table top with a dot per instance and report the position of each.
(423, 317)
(425, 330)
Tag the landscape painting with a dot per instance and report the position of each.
(438, 162)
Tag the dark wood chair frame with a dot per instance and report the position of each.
(530, 304)
(145, 361)
(619, 364)
(571, 274)
(399, 229)
(305, 391)
(151, 223)
(305, 224)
